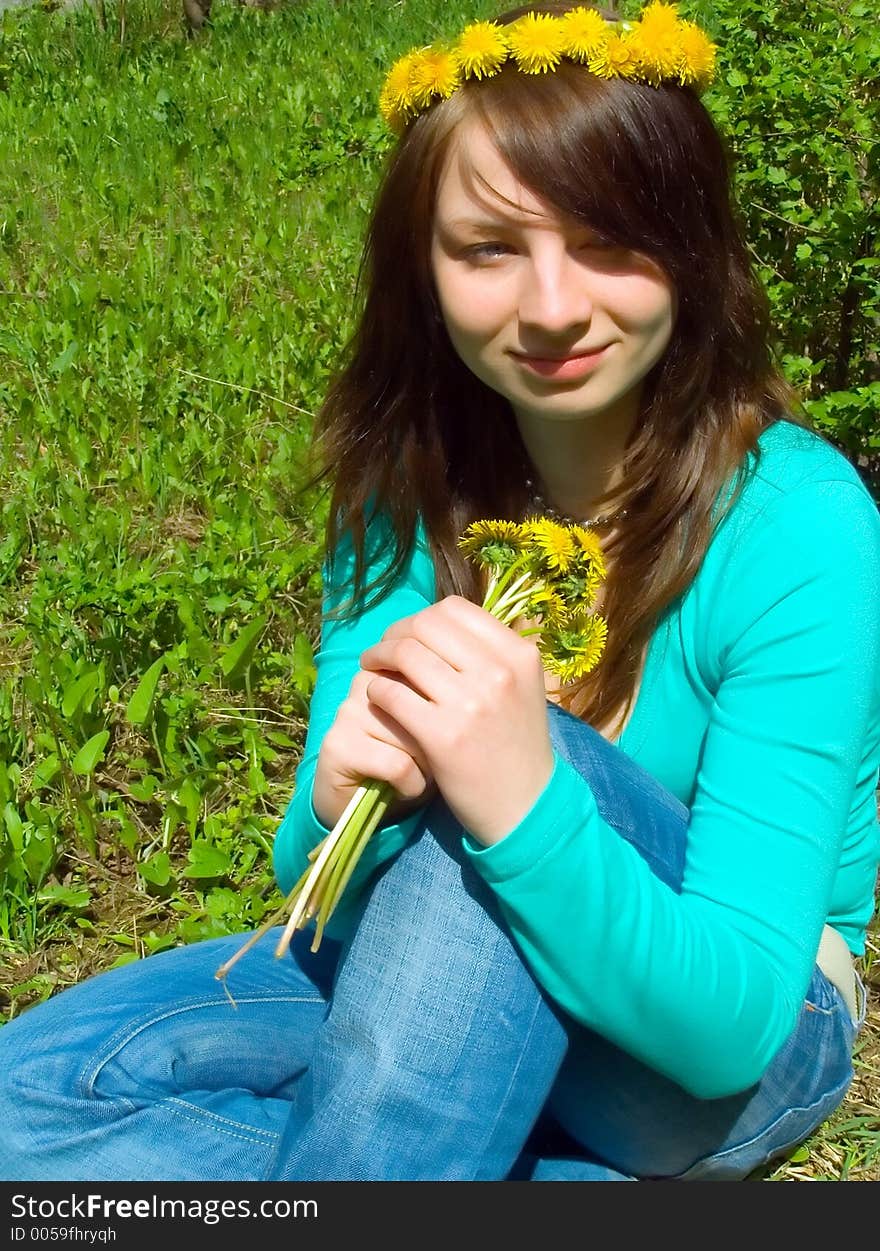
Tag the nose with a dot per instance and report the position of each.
(555, 297)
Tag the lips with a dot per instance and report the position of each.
(577, 365)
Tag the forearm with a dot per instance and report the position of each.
(678, 981)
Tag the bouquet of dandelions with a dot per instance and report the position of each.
(540, 570)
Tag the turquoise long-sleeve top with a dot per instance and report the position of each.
(759, 708)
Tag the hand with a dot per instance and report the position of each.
(470, 693)
(365, 742)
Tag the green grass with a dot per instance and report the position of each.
(179, 238)
(178, 247)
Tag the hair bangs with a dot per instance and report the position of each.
(617, 156)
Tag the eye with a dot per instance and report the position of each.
(605, 254)
(486, 251)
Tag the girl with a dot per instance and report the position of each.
(606, 930)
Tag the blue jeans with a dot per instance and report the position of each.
(421, 1049)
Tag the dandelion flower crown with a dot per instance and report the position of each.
(658, 48)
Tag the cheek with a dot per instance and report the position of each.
(469, 314)
(645, 306)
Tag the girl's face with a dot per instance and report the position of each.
(562, 324)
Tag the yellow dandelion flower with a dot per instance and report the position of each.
(659, 18)
(588, 548)
(656, 44)
(553, 545)
(615, 59)
(394, 118)
(545, 604)
(435, 73)
(397, 92)
(497, 543)
(577, 587)
(573, 649)
(584, 33)
(536, 42)
(510, 531)
(697, 64)
(540, 523)
(481, 50)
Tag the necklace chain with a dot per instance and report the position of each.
(538, 503)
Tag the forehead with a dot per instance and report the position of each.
(477, 183)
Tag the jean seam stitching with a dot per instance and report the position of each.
(90, 1072)
(836, 1093)
(208, 1115)
(205, 1117)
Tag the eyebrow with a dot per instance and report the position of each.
(497, 219)
(486, 223)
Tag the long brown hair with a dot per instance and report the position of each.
(407, 426)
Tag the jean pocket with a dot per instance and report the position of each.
(861, 1000)
(822, 995)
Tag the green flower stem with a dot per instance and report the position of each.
(517, 608)
(513, 597)
(367, 815)
(275, 917)
(328, 847)
(496, 588)
(344, 870)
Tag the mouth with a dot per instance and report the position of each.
(576, 365)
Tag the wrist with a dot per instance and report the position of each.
(506, 817)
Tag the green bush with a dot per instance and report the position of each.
(797, 94)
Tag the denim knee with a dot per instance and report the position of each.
(439, 1048)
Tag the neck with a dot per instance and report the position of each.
(576, 462)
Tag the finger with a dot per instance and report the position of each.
(461, 633)
(409, 709)
(385, 729)
(401, 770)
(429, 674)
(379, 724)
